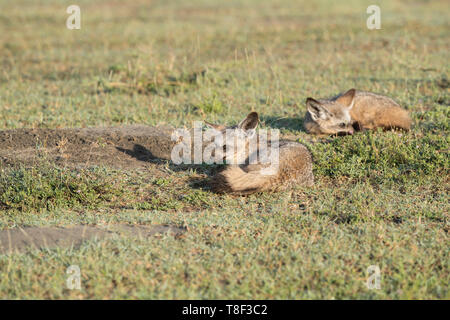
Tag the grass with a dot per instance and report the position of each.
(48, 188)
(380, 198)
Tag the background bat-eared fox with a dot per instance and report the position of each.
(354, 110)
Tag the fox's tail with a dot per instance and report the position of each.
(396, 118)
(234, 180)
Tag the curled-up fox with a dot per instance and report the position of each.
(293, 165)
(354, 110)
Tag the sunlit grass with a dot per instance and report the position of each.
(380, 198)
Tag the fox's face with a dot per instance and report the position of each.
(235, 140)
(333, 117)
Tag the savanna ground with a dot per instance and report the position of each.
(380, 198)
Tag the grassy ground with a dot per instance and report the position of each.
(381, 198)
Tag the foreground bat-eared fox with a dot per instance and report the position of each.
(294, 165)
(354, 110)
(343, 114)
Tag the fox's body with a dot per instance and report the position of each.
(294, 168)
(354, 109)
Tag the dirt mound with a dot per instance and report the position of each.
(123, 147)
(126, 147)
(22, 239)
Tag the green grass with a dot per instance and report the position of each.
(380, 198)
(48, 188)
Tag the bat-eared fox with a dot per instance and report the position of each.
(294, 165)
(354, 110)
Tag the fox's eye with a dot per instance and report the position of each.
(342, 125)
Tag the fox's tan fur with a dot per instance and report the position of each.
(295, 168)
(354, 109)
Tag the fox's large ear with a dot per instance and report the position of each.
(250, 122)
(316, 109)
(347, 99)
(215, 126)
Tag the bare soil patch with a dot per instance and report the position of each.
(125, 147)
(23, 239)
(121, 147)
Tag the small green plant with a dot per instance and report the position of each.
(381, 156)
(51, 187)
(211, 105)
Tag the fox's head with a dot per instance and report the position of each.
(235, 139)
(333, 117)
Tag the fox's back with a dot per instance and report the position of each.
(373, 110)
(295, 164)
(294, 167)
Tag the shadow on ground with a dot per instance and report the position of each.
(205, 171)
(286, 123)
